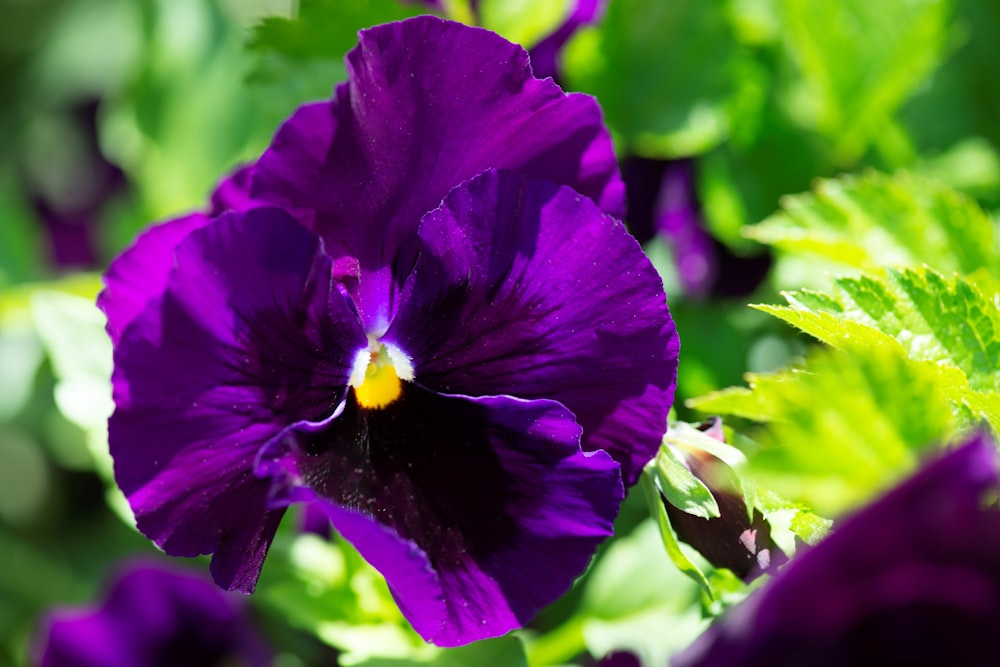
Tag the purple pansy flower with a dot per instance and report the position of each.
(153, 616)
(913, 579)
(418, 315)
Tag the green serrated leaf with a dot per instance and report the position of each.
(843, 427)
(875, 220)
(790, 520)
(949, 325)
(859, 61)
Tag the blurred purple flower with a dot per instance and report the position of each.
(545, 55)
(913, 579)
(429, 327)
(70, 215)
(153, 617)
(663, 201)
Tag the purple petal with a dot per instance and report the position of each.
(250, 336)
(478, 511)
(233, 193)
(139, 275)
(153, 616)
(527, 289)
(913, 578)
(678, 218)
(428, 104)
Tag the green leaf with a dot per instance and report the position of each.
(186, 97)
(790, 520)
(20, 356)
(72, 331)
(301, 58)
(859, 61)
(680, 487)
(845, 426)
(631, 594)
(499, 652)
(949, 323)
(526, 22)
(684, 59)
(670, 543)
(874, 220)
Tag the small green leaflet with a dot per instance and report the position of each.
(949, 323)
(874, 220)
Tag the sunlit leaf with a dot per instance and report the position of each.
(526, 22)
(72, 331)
(949, 323)
(845, 426)
(633, 590)
(874, 220)
(859, 61)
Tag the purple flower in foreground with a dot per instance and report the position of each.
(153, 616)
(417, 315)
(913, 579)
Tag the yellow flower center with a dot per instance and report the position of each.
(378, 374)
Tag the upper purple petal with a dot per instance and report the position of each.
(913, 578)
(527, 289)
(250, 335)
(478, 511)
(428, 105)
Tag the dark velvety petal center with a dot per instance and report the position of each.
(250, 336)
(495, 493)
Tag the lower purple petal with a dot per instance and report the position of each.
(492, 495)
